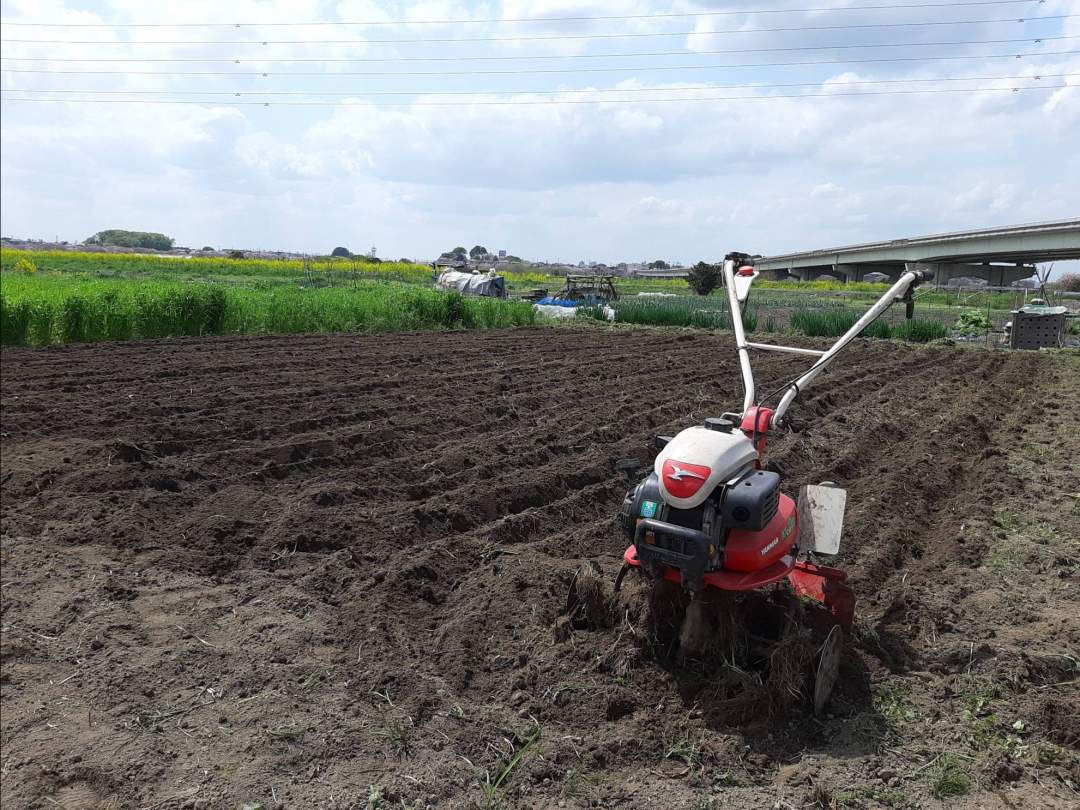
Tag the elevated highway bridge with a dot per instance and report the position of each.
(998, 256)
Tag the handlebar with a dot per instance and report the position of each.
(900, 291)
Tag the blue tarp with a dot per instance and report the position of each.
(590, 300)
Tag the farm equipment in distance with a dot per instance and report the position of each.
(709, 521)
(581, 291)
(588, 290)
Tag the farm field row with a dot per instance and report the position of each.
(326, 571)
(42, 310)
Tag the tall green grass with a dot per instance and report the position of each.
(39, 310)
(918, 331)
(712, 314)
(675, 312)
(835, 322)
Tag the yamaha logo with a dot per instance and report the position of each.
(678, 474)
(683, 479)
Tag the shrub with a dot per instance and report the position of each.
(25, 265)
(972, 321)
(341, 251)
(703, 278)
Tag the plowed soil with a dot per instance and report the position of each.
(327, 572)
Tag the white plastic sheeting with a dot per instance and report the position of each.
(557, 312)
(486, 284)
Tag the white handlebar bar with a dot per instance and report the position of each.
(895, 293)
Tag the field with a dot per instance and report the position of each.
(326, 571)
(40, 311)
(61, 297)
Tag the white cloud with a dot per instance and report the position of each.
(618, 180)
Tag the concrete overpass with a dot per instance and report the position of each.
(999, 256)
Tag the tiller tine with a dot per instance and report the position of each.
(828, 669)
(826, 586)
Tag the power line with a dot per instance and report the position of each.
(533, 71)
(493, 20)
(546, 37)
(683, 88)
(241, 60)
(6, 98)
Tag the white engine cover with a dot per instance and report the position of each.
(697, 460)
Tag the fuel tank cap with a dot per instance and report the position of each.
(719, 423)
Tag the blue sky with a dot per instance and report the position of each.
(630, 179)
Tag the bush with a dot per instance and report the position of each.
(704, 278)
(972, 322)
(25, 265)
(342, 252)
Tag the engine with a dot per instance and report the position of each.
(704, 493)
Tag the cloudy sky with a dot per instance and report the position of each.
(395, 135)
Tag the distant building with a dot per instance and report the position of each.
(450, 263)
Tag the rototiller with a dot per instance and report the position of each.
(710, 518)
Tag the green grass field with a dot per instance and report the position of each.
(60, 296)
(38, 310)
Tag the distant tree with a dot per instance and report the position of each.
(659, 264)
(341, 251)
(1070, 282)
(235, 254)
(704, 278)
(133, 239)
(478, 252)
(207, 248)
(459, 253)
(403, 260)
